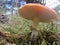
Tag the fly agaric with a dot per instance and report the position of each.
(37, 13)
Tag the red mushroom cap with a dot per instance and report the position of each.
(32, 10)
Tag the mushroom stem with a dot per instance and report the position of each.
(35, 23)
(34, 28)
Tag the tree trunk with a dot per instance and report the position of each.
(43, 2)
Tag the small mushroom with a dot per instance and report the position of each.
(37, 13)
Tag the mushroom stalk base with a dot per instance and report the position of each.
(34, 32)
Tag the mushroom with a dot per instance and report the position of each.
(37, 13)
